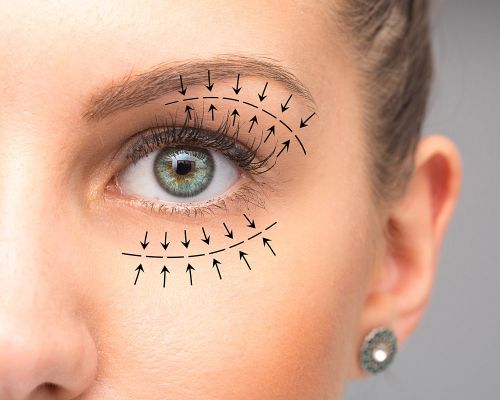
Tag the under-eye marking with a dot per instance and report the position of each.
(172, 102)
(216, 251)
(286, 126)
(230, 98)
(131, 254)
(250, 104)
(236, 244)
(301, 145)
(253, 236)
(270, 226)
(268, 113)
(175, 256)
(191, 98)
(210, 97)
(197, 255)
(154, 256)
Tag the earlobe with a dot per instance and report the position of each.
(415, 225)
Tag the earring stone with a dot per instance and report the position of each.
(378, 350)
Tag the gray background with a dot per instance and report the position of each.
(455, 351)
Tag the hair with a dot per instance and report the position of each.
(392, 48)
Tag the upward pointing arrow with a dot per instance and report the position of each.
(139, 269)
(164, 272)
(215, 264)
(189, 269)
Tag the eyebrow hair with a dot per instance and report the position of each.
(135, 90)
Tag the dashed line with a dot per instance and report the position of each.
(229, 98)
(216, 251)
(191, 98)
(301, 145)
(197, 255)
(286, 126)
(251, 237)
(203, 254)
(250, 104)
(172, 102)
(131, 254)
(268, 113)
(237, 244)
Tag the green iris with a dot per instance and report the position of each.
(184, 171)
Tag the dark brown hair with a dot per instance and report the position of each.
(393, 50)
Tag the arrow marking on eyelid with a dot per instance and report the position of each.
(266, 241)
(303, 124)
(209, 86)
(206, 238)
(286, 145)
(145, 243)
(189, 269)
(251, 223)
(229, 232)
(234, 114)
(138, 269)
(261, 96)
(188, 111)
(270, 130)
(242, 256)
(212, 108)
(183, 89)
(165, 243)
(164, 272)
(186, 241)
(284, 106)
(215, 264)
(237, 88)
(253, 121)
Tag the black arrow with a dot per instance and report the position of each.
(188, 110)
(190, 268)
(145, 243)
(242, 255)
(183, 89)
(285, 144)
(234, 114)
(303, 124)
(164, 272)
(206, 238)
(253, 121)
(261, 96)
(210, 85)
(251, 223)
(138, 269)
(266, 243)
(216, 265)
(270, 130)
(185, 242)
(212, 108)
(165, 244)
(237, 89)
(284, 107)
(229, 232)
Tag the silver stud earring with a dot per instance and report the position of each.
(378, 350)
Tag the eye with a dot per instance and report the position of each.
(179, 174)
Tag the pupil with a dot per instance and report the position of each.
(184, 167)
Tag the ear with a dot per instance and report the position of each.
(401, 286)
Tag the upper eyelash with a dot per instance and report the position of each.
(195, 134)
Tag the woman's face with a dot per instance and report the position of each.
(86, 309)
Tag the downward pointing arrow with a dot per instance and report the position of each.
(185, 242)
(229, 232)
(206, 238)
(145, 243)
(165, 244)
(251, 224)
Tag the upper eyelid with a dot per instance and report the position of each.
(134, 91)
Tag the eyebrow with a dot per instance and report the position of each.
(135, 90)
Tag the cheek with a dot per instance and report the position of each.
(280, 330)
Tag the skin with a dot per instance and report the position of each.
(73, 324)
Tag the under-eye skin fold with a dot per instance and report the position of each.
(189, 159)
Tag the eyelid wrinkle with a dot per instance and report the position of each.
(135, 90)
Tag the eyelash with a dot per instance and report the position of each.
(162, 134)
